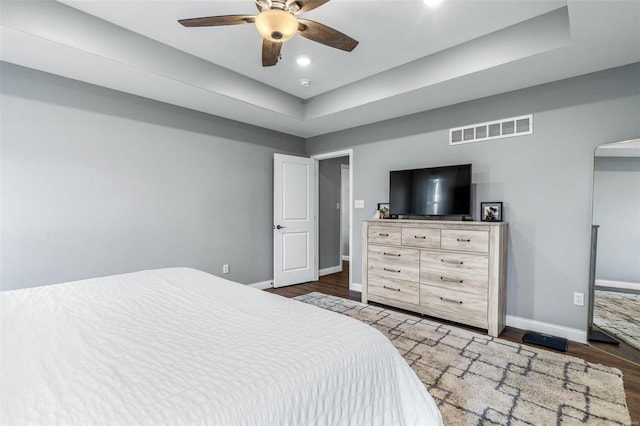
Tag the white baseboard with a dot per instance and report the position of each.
(262, 285)
(331, 270)
(618, 284)
(346, 258)
(573, 334)
(356, 287)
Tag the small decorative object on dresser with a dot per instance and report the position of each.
(383, 209)
(491, 212)
(444, 269)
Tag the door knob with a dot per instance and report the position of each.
(279, 227)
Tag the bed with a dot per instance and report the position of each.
(179, 346)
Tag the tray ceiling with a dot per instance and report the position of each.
(410, 58)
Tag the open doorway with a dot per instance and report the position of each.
(334, 215)
(331, 214)
(345, 212)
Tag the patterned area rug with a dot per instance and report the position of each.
(619, 314)
(479, 380)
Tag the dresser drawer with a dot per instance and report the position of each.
(385, 234)
(402, 291)
(466, 308)
(461, 240)
(470, 263)
(456, 280)
(416, 237)
(394, 262)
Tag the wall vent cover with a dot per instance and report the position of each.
(505, 128)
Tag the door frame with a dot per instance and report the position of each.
(327, 156)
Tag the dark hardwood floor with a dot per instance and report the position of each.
(612, 356)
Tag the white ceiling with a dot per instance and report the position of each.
(410, 31)
(410, 58)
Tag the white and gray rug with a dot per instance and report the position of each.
(619, 314)
(479, 380)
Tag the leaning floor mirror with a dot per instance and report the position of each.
(614, 312)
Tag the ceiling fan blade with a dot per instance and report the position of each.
(216, 21)
(326, 35)
(270, 52)
(302, 6)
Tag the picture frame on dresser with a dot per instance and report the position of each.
(491, 211)
(383, 208)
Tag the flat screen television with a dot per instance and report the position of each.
(434, 191)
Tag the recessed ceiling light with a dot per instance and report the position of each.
(303, 61)
(432, 3)
(305, 82)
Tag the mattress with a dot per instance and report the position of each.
(178, 346)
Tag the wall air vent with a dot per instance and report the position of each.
(505, 128)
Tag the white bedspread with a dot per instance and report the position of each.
(181, 347)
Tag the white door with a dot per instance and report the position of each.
(294, 228)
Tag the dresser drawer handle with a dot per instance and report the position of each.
(391, 270)
(391, 254)
(420, 237)
(461, 240)
(453, 262)
(391, 288)
(383, 235)
(444, 299)
(450, 280)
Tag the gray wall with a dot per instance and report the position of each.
(328, 213)
(545, 179)
(616, 208)
(97, 182)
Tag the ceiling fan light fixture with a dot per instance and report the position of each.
(276, 25)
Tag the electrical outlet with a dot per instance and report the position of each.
(225, 268)
(578, 299)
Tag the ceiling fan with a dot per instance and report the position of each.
(277, 23)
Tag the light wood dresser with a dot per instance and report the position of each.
(444, 269)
